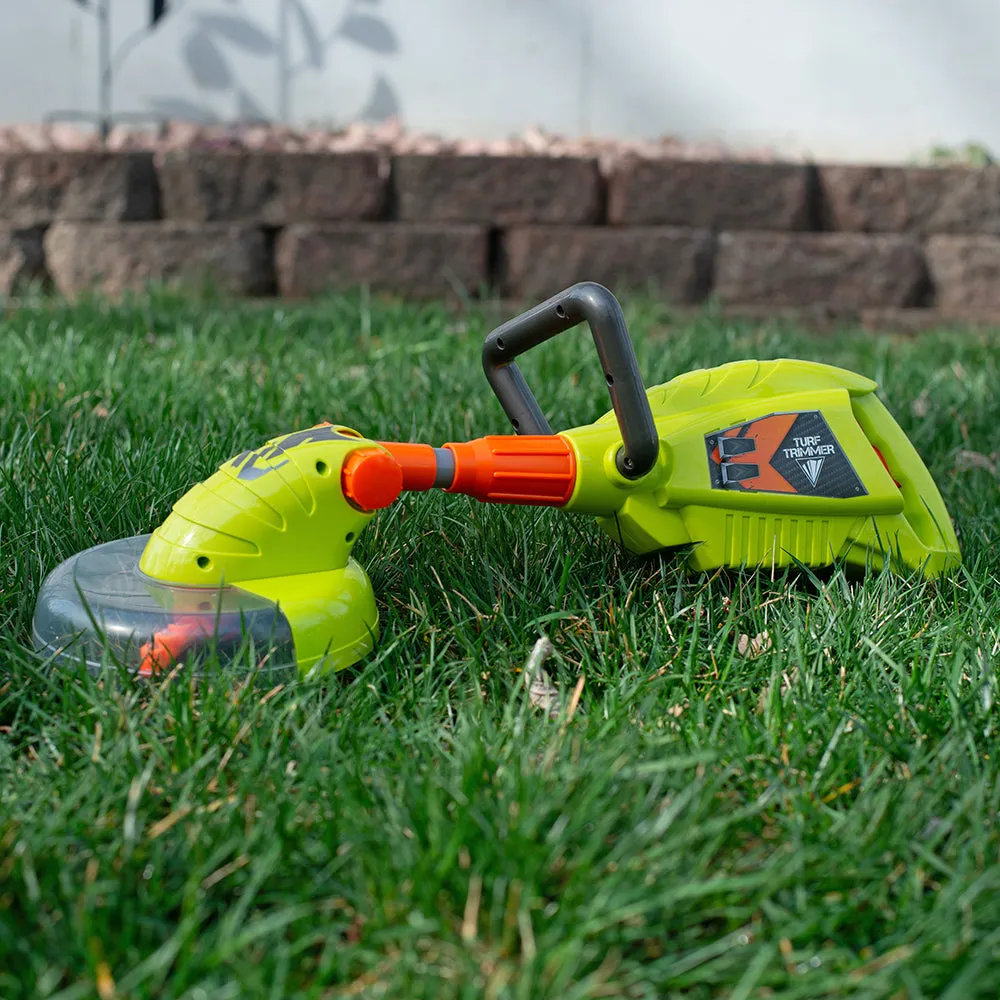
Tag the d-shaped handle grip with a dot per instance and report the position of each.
(593, 303)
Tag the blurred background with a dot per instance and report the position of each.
(826, 79)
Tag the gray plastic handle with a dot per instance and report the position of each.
(593, 303)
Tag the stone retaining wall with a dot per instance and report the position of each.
(765, 236)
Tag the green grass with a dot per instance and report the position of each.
(817, 821)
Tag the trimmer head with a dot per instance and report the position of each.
(750, 464)
(99, 607)
(258, 553)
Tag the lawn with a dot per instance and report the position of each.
(818, 820)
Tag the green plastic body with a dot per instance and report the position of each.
(676, 504)
(274, 522)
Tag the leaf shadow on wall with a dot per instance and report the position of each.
(207, 49)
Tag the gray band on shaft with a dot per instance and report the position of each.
(445, 474)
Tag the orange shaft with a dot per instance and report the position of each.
(537, 470)
(524, 469)
(419, 463)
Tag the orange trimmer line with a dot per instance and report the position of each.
(169, 645)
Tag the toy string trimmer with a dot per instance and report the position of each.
(751, 464)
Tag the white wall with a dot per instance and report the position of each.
(837, 79)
